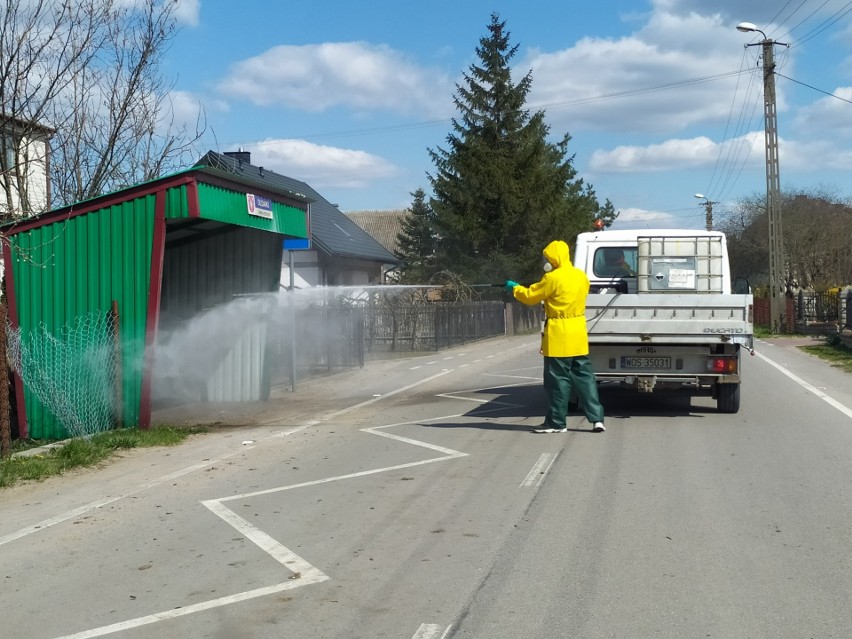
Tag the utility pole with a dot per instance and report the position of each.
(708, 206)
(777, 262)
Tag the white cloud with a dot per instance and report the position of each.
(665, 156)
(633, 218)
(827, 113)
(184, 109)
(187, 12)
(320, 166)
(662, 78)
(356, 75)
(760, 12)
(814, 156)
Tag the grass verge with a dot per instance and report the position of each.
(82, 453)
(834, 352)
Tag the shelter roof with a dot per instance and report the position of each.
(58, 214)
(331, 231)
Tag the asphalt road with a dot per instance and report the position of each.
(410, 500)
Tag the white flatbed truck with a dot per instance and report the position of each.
(667, 317)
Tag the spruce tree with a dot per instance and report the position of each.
(502, 191)
(416, 241)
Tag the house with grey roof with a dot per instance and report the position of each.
(384, 225)
(341, 253)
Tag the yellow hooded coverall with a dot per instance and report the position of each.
(565, 342)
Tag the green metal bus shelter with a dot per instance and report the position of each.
(174, 246)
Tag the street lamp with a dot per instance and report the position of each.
(747, 27)
(708, 205)
(777, 283)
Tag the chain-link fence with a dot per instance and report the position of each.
(72, 370)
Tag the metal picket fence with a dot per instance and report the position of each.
(823, 310)
(330, 337)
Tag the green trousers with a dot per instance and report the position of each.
(562, 375)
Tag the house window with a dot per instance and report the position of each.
(8, 151)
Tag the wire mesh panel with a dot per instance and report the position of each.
(71, 371)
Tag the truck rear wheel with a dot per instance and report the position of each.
(728, 398)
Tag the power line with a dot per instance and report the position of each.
(733, 150)
(825, 24)
(832, 95)
(546, 107)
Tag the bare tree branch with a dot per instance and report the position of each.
(87, 71)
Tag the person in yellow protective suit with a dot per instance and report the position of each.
(565, 341)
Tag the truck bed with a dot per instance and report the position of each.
(666, 318)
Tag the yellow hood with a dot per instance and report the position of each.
(557, 253)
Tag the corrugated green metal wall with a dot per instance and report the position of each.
(74, 266)
(69, 268)
(224, 205)
(176, 202)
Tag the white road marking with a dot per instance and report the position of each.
(270, 546)
(427, 631)
(94, 505)
(306, 572)
(811, 389)
(448, 453)
(174, 613)
(538, 471)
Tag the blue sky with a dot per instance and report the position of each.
(661, 97)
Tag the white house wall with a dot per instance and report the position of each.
(36, 179)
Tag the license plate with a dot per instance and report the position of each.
(646, 362)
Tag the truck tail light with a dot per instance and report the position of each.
(722, 364)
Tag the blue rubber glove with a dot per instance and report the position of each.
(510, 284)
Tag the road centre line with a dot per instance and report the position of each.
(539, 470)
(811, 389)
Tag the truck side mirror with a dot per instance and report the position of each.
(741, 286)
